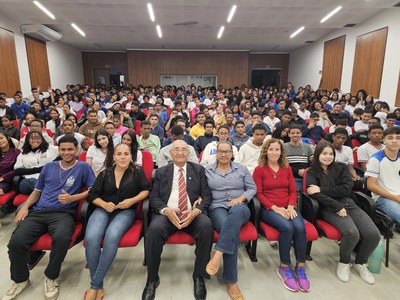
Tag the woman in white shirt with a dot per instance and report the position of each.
(55, 122)
(100, 155)
(36, 152)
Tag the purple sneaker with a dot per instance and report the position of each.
(304, 284)
(288, 279)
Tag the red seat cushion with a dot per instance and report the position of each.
(132, 237)
(19, 199)
(272, 234)
(248, 232)
(329, 230)
(7, 197)
(181, 237)
(44, 242)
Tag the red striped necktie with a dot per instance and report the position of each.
(182, 204)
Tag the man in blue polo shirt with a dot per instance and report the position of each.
(50, 208)
(19, 107)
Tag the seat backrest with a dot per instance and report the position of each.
(304, 181)
(147, 166)
(201, 156)
(82, 156)
(137, 127)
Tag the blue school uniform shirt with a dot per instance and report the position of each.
(53, 179)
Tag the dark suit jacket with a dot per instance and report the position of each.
(196, 184)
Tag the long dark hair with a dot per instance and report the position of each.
(44, 145)
(58, 121)
(134, 146)
(110, 146)
(326, 178)
(278, 132)
(10, 143)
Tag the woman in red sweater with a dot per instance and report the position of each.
(276, 190)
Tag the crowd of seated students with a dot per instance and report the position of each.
(96, 120)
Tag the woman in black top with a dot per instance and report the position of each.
(115, 194)
(330, 183)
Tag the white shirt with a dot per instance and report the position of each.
(360, 126)
(333, 128)
(345, 155)
(173, 200)
(98, 157)
(365, 152)
(305, 115)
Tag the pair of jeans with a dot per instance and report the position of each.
(290, 230)
(110, 227)
(27, 185)
(357, 223)
(299, 184)
(60, 225)
(389, 207)
(228, 223)
(5, 186)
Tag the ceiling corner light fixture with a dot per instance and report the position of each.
(231, 13)
(297, 32)
(44, 9)
(221, 31)
(331, 14)
(159, 31)
(78, 29)
(151, 12)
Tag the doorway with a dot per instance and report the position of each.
(108, 77)
(266, 77)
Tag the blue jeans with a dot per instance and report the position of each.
(299, 184)
(99, 226)
(228, 223)
(5, 186)
(389, 207)
(289, 231)
(27, 185)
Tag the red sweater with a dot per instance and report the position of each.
(279, 191)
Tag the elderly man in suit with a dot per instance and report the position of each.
(176, 188)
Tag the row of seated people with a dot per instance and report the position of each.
(223, 189)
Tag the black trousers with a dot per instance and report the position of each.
(60, 225)
(161, 229)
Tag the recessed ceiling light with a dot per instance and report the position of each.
(220, 32)
(44, 9)
(231, 13)
(78, 29)
(159, 31)
(297, 32)
(151, 12)
(331, 14)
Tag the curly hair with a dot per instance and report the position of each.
(263, 158)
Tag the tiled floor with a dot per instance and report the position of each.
(127, 276)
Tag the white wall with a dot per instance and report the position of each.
(305, 63)
(65, 63)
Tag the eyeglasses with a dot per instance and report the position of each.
(224, 152)
(178, 150)
(35, 138)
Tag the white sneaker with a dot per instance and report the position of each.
(15, 290)
(50, 289)
(343, 272)
(365, 274)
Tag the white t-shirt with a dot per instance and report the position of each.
(360, 126)
(365, 152)
(333, 127)
(79, 137)
(386, 171)
(345, 155)
(98, 158)
(305, 115)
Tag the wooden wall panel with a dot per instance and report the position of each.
(368, 62)
(397, 103)
(9, 75)
(103, 60)
(38, 64)
(333, 63)
(270, 61)
(145, 67)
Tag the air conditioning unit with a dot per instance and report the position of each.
(41, 32)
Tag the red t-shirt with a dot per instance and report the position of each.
(279, 191)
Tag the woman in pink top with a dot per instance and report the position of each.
(276, 190)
